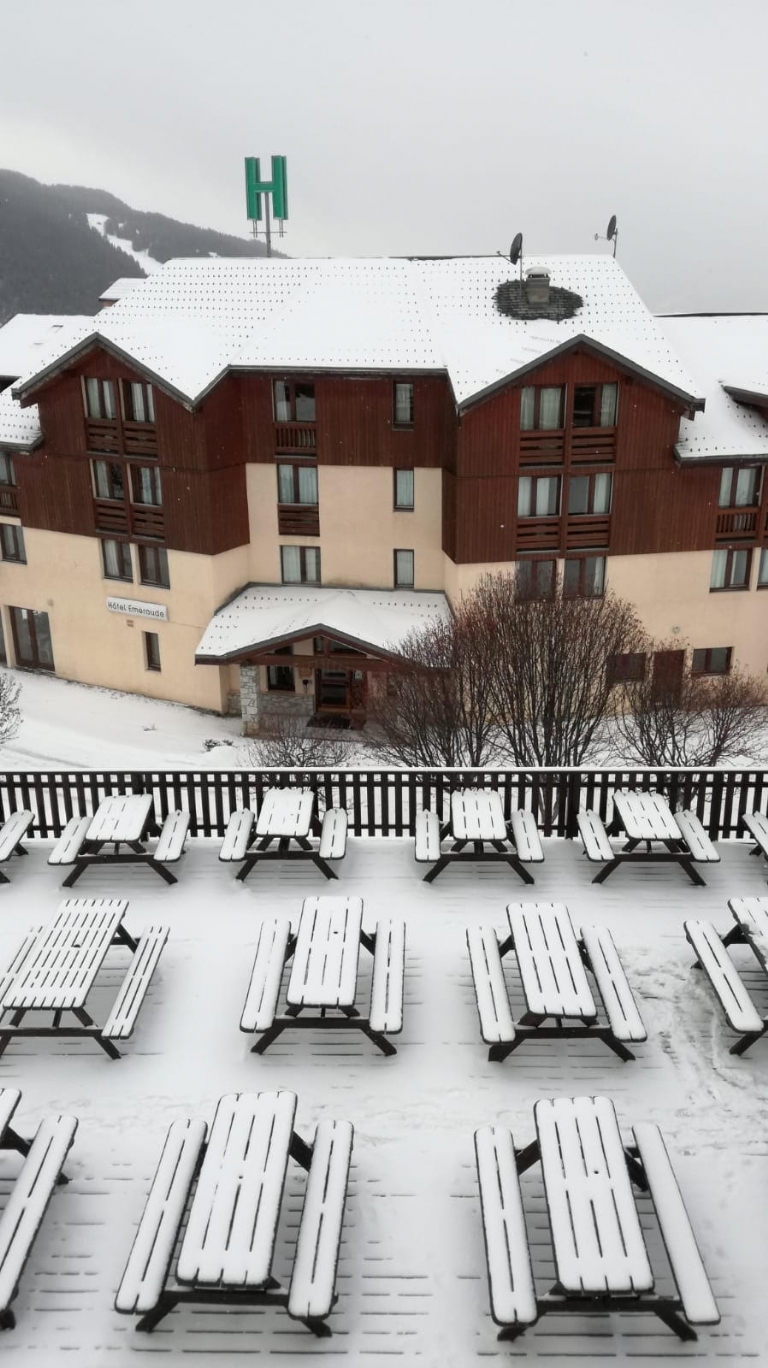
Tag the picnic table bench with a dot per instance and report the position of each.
(324, 954)
(757, 826)
(41, 1171)
(599, 1250)
(478, 821)
(12, 834)
(56, 966)
(231, 1187)
(117, 834)
(281, 829)
(750, 928)
(653, 833)
(553, 966)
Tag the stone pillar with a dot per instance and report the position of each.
(250, 699)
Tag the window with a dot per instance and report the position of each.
(730, 570)
(584, 578)
(595, 405)
(541, 407)
(762, 573)
(138, 402)
(280, 677)
(147, 485)
(7, 472)
(293, 402)
(116, 558)
(404, 489)
(99, 398)
(300, 564)
(153, 566)
(403, 405)
(624, 669)
(712, 660)
(403, 569)
(590, 494)
(535, 579)
(538, 496)
(151, 650)
(108, 480)
(739, 488)
(32, 638)
(12, 543)
(296, 484)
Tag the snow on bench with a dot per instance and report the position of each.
(510, 1276)
(170, 845)
(388, 976)
(618, 999)
(525, 834)
(757, 826)
(70, 842)
(696, 838)
(17, 963)
(698, 1303)
(333, 838)
(133, 989)
(311, 1294)
(427, 836)
(595, 837)
(149, 1260)
(740, 1011)
(496, 1025)
(237, 835)
(12, 833)
(266, 975)
(26, 1206)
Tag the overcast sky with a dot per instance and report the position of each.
(419, 126)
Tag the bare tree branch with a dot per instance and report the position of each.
(10, 712)
(291, 746)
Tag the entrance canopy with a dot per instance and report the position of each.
(266, 616)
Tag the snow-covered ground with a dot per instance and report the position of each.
(412, 1278)
(146, 262)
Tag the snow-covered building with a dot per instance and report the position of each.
(372, 436)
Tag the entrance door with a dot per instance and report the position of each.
(32, 639)
(668, 669)
(332, 690)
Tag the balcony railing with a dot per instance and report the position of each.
(538, 534)
(542, 448)
(147, 520)
(101, 434)
(585, 531)
(139, 439)
(593, 445)
(298, 520)
(111, 515)
(737, 524)
(9, 499)
(295, 437)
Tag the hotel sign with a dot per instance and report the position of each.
(134, 608)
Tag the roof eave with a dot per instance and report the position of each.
(25, 392)
(719, 458)
(286, 638)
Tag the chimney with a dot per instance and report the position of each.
(537, 285)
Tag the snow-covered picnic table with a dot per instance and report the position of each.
(712, 955)
(653, 833)
(121, 822)
(477, 820)
(281, 829)
(600, 1255)
(56, 966)
(227, 1248)
(324, 973)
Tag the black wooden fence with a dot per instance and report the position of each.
(385, 802)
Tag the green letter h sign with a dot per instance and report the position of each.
(255, 187)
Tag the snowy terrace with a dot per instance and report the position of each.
(412, 1277)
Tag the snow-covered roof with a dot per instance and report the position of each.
(378, 619)
(19, 427)
(723, 350)
(192, 320)
(26, 340)
(120, 287)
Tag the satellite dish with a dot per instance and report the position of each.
(611, 228)
(516, 248)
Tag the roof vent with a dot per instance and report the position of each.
(537, 286)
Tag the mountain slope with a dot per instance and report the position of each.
(53, 261)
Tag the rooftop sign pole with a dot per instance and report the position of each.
(257, 196)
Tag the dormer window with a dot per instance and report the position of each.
(99, 398)
(595, 405)
(138, 402)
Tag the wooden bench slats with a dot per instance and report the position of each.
(70, 842)
(618, 999)
(266, 975)
(496, 1024)
(510, 1276)
(149, 1260)
(12, 831)
(311, 1292)
(597, 844)
(122, 1018)
(17, 963)
(525, 834)
(740, 1011)
(685, 1260)
(757, 826)
(554, 978)
(388, 977)
(752, 916)
(325, 961)
(427, 836)
(170, 845)
(333, 837)
(31, 1194)
(696, 838)
(237, 835)
(59, 969)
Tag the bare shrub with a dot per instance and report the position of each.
(10, 712)
(291, 745)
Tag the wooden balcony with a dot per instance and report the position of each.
(538, 534)
(111, 515)
(737, 524)
(593, 446)
(139, 439)
(542, 448)
(9, 499)
(586, 531)
(295, 437)
(101, 434)
(147, 521)
(298, 520)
